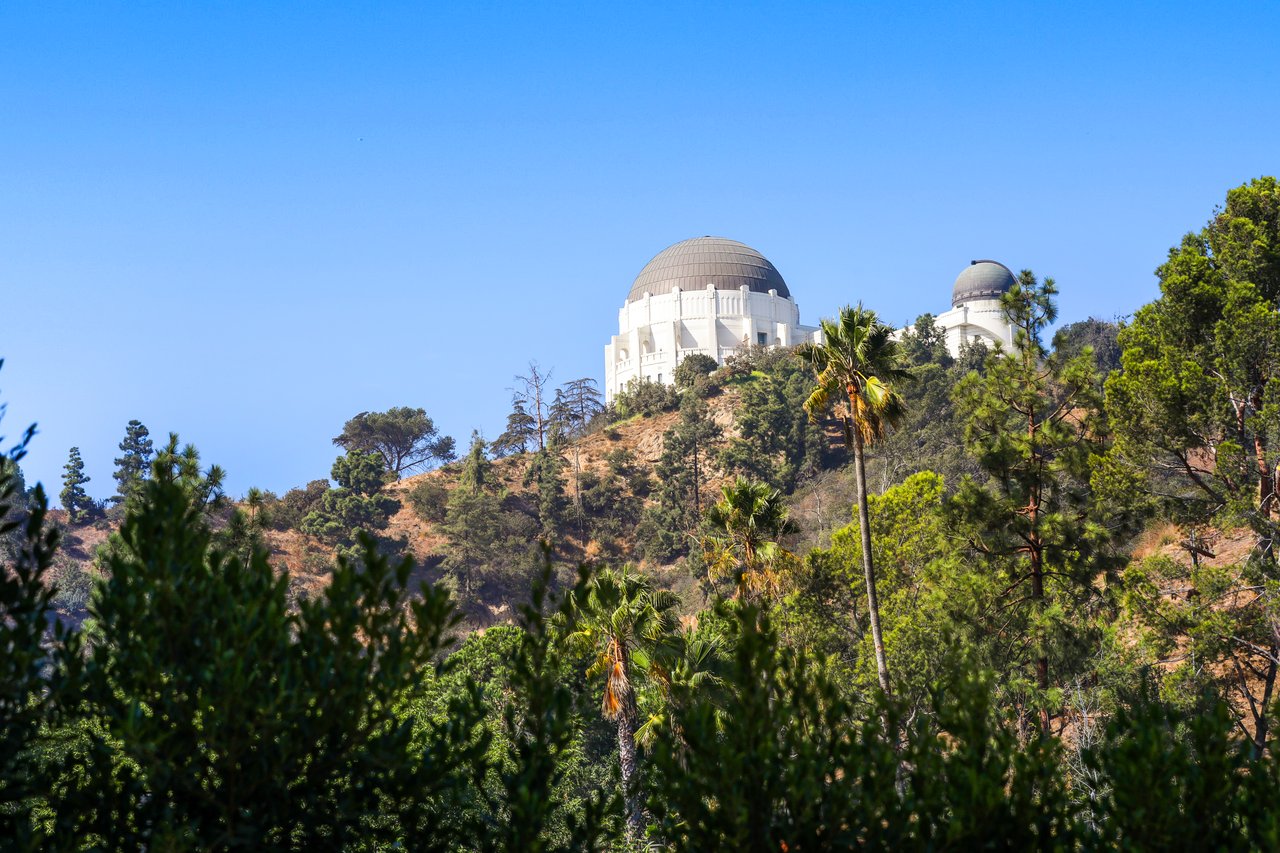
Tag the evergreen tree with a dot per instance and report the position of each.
(487, 542)
(30, 702)
(1100, 335)
(543, 474)
(134, 463)
(1196, 409)
(688, 450)
(206, 487)
(270, 727)
(406, 439)
(576, 404)
(925, 342)
(520, 433)
(79, 506)
(561, 425)
(247, 524)
(15, 500)
(612, 501)
(931, 599)
(776, 443)
(476, 467)
(356, 504)
(644, 397)
(1035, 425)
(930, 436)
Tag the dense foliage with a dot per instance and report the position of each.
(404, 439)
(136, 453)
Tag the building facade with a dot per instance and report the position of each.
(707, 295)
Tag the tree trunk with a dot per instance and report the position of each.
(697, 482)
(1260, 731)
(1042, 660)
(864, 526)
(1265, 478)
(1036, 553)
(627, 759)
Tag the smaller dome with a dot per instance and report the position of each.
(982, 280)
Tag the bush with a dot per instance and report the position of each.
(645, 397)
(428, 500)
(72, 584)
(694, 370)
(287, 512)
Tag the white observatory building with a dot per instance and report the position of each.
(707, 295)
(975, 307)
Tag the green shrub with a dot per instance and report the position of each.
(428, 500)
(693, 371)
(287, 512)
(644, 397)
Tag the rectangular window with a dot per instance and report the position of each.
(659, 378)
(762, 338)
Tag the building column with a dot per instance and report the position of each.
(713, 319)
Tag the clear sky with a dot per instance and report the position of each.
(246, 222)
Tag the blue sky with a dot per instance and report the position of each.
(246, 222)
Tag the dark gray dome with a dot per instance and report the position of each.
(982, 280)
(693, 264)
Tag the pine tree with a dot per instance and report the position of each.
(79, 506)
(486, 541)
(476, 466)
(406, 439)
(544, 474)
(1196, 411)
(520, 433)
(1035, 425)
(577, 403)
(776, 442)
(134, 463)
(356, 504)
(687, 453)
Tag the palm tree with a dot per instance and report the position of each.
(624, 624)
(693, 664)
(749, 520)
(857, 364)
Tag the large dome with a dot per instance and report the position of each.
(982, 280)
(693, 264)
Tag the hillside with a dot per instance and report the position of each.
(308, 559)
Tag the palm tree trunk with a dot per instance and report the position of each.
(627, 759)
(864, 527)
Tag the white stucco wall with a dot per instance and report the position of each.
(978, 319)
(656, 333)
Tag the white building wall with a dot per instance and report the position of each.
(656, 333)
(979, 319)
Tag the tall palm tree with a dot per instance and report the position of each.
(624, 624)
(857, 365)
(749, 520)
